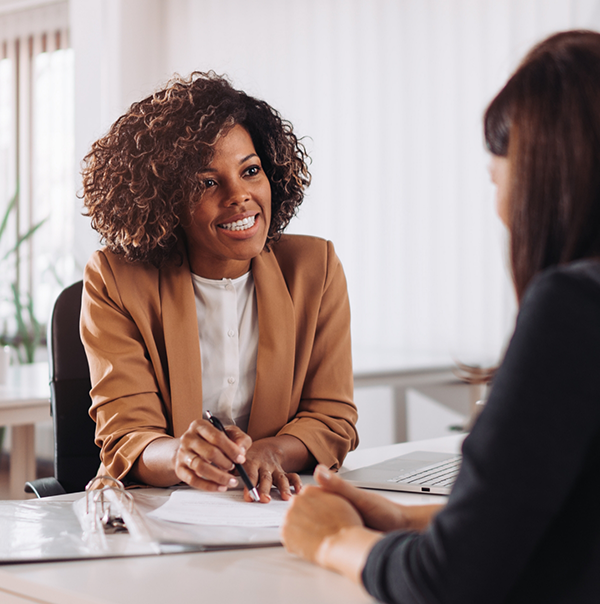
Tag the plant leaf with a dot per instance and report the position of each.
(23, 238)
(11, 205)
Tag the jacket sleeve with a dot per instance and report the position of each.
(326, 418)
(127, 405)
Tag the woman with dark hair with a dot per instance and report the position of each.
(198, 302)
(522, 522)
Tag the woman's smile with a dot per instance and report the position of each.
(240, 225)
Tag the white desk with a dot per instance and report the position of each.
(24, 400)
(401, 370)
(268, 575)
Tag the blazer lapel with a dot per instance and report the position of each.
(182, 345)
(276, 349)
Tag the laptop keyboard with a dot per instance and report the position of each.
(439, 474)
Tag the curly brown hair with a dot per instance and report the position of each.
(140, 178)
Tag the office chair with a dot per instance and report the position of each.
(76, 456)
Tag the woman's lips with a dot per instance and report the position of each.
(244, 228)
(240, 225)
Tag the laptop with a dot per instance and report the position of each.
(417, 472)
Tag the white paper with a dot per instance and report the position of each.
(225, 509)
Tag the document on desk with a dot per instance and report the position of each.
(191, 506)
(50, 529)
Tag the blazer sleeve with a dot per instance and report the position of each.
(326, 418)
(127, 404)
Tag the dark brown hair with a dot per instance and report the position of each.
(546, 121)
(141, 176)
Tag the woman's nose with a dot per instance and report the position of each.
(236, 192)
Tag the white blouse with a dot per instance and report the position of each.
(228, 328)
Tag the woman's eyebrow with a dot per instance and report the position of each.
(244, 159)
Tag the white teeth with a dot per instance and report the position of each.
(239, 225)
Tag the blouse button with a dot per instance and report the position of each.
(231, 380)
(231, 333)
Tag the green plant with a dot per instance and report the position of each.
(22, 238)
(29, 331)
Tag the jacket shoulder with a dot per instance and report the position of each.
(304, 258)
(580, 278)
(301, 247)
(103, 259)
(120, 278)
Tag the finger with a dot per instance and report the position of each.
(195, 477)
(313, 516)
(239, 437)
(211, 444)
(265, 482)
(281, 481)
(295, 482)
(377, 512)
(333, 483)
(222, 440)
(252, 472)
(195, 447)
(306, 500)
(252, 468)
(298, 504)
(210, 472)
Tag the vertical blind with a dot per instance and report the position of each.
(36, 154)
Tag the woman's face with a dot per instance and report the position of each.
(229, 225)
(499, 174)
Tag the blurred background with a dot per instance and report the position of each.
(388, 95)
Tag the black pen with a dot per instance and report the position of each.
(216, 422)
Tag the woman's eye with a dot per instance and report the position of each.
(253, 170)
(209, 182)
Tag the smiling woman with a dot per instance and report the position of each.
(198, 302)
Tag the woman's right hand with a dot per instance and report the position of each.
(206, 456)
(377, 512)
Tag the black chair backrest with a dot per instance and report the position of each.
(76, 456)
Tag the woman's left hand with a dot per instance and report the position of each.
(267, 462)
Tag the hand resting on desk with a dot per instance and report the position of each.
(336, 524)
(204, 458)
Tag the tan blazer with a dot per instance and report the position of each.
(140, 332)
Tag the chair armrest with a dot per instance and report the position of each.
(44, 487)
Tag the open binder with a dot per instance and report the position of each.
(109, 522)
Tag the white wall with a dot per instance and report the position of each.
(118, 58)
(391, 94)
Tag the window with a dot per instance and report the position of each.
(36, 166)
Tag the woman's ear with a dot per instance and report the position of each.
(499, 169)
